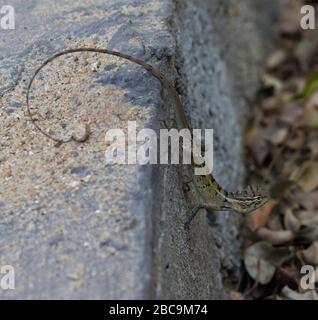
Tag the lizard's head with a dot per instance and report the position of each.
(247, 204)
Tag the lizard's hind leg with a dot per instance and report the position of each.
(169, 123)
(186, 184)
(192, 215)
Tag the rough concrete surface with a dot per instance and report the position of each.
(76, 228)
(220, 49)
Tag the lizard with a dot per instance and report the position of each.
(213, 196)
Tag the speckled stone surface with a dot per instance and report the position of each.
(74, 227)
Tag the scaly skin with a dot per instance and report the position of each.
(213, 195)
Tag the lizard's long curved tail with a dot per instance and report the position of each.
(166, 83)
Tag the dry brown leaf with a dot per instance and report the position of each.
(275, 237)
(274, 223)
(272, 82)
(256, 264)
(307, 234)
(257, 145)
(310, 201)
(259, 217)
(270, 104)
(297, 142)
(268, 119)
(235, 295)
(290, 112)
(307, 217)
(306, 176)
(308, 118)
(276, 58)
(291, 222)
(275, 135)
(294, 295)
(289, 166)
(313, 101)
(261, 260)
(310, 255)
(313, 146)
(279, 188)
